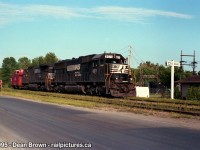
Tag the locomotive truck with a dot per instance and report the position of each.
(96, 74)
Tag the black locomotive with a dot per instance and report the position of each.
(97, 74)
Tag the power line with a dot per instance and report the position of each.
(135, 55)
(122, 49)
(139, 57)
(125, 52)
(137, 61)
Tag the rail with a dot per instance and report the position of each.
(164, 105)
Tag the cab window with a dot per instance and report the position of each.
(114, 61)
(95, 64)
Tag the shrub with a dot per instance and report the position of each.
(193, 93)
(177, 93)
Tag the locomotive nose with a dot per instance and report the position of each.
(125, 89)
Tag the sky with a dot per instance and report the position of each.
(157, 30)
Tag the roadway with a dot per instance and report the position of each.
(24, 122)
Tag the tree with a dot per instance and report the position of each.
(135, 73)
(50, 58)
(37, 61)
(41, 60)
(8, 67)
(148, 73)
(24, 62)
(165, 75)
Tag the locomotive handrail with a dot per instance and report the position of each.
(109, 79)
(106, 78)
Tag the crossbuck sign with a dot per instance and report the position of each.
(172, 64)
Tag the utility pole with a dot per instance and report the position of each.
(130, 60)
(130, 56)
(193, 63)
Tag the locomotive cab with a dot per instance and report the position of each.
(118, 69)
(112, 70)
(118, 80)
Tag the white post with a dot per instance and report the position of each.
(172, 80)
(172, 64)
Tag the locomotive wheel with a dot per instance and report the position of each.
(98, 92)
(90, 91)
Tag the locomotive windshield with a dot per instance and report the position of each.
(114, 61)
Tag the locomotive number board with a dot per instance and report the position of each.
(112, 56)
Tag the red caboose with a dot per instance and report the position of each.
(16, 79)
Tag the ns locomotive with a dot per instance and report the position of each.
(97, 74)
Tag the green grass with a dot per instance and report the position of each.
(150, 106)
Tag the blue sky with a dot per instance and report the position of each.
(156, 29)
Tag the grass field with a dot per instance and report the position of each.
(150, 106)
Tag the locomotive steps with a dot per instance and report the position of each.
(150, 106)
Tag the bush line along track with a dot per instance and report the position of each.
(166, 105)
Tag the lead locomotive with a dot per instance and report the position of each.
(97, 74)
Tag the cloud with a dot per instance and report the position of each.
(52, 11)
(11, 13)
(131, 14)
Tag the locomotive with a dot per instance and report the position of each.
(97, 74)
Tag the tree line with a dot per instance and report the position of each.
(161, 74)
(10, 64)
(155, 73)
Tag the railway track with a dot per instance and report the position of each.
(165, 105)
